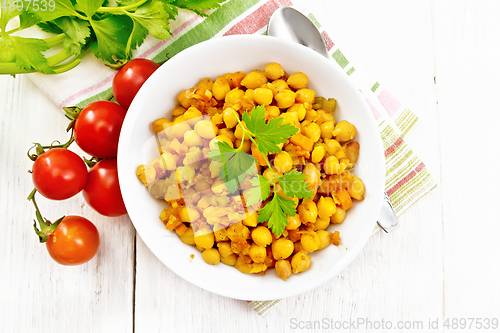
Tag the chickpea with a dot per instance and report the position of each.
(217, 119)
(257, 253)
(318, 154)
(344, 131)
(340, 154)
(246, 145)
(300, 262)
(207, 83)
(189, 214)
(313, 177)
(352, 151)
(283, 269)
(250, 95)
(285, 99)
(146, 174)
(327, 129)
(293, 222)
(338, 217)
(191, 115)
(299, 109)
(308, 211)
(325, 238)
(283, 162)
(263, 96)
(280, 85)
(204, 238)
(220, 88)
(211, 256)
(282, 248)
(305, 96)
(188, 237)
(179, 129)
(272, 112)
(357, 189)
(192, 139)
(220, 235)
(229, 117)
(297, 80)
(326, 207)
(274, 71)
(185, 173)
(310, 241)
(251, 221)
(332, 146)
(234, 96)
(160, 124)
(235, 79)
(312, 131)
(262, 236)
(321, 224)
(226, 132)
(254, 79)
(332, 166)
(244, 264)
(224, 249)
(230, 260)
(220, 138)
(238, 132)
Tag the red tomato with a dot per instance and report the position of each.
(59, 174)
(130, 79)
(102, 191)
(97, 128)
(75, 241)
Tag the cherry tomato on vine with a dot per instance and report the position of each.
(75, 241)
(102, 191)
(97, 128)
(59, 174)
(130, 78)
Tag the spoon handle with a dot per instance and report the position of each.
(387, 219)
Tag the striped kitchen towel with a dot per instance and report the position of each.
(407, 177)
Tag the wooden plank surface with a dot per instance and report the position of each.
(37, 294)
(439, 56)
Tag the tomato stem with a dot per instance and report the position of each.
(46, 227)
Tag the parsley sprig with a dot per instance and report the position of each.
(266, 136)
(110, 32)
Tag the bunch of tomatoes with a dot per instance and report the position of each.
(58, 173)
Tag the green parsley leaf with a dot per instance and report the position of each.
(61, 8)
(198, 6)
(153, 17)
(139, 33)
(235, 164)
(27, 20)
(293, 185)
(112, 34)
(89, 7)
(275, 212)
(260, 191)
(269, 135)
(50, 27)
(76, 30)
(27, 52)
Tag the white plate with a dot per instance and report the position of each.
(216, 57)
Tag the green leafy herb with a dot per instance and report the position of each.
(235, 162)
(266, 136)
(275, 213)
(111, 32)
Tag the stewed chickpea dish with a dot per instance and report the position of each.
(224, 223)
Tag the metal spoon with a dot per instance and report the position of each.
(288, 23)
